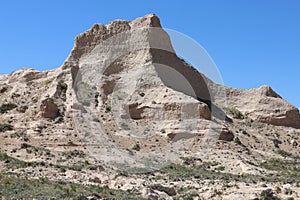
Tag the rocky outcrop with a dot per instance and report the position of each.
(135, 112)
(264, 105)
(26, 75)
(87, 41)
(49, 109)
(145, 40)
(226, 135)
(127, 76)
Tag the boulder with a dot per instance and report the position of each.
(49, 109)
(168, 190)
(226, 135)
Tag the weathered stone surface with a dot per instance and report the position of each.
(264, 105)
(26, 75)
(49, 109)
(226, 135)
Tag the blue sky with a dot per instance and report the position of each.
(253, 43)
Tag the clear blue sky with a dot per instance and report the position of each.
(253, 42)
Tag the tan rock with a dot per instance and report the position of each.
(26, 75)
(264, 105)
(226, 135)
(49, 109)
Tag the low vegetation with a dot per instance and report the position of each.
(286, 154)
(235, 113)
(203, 171)
(6, 127)
(20, 134)
(3, 89)
(74, 153)
(107, 108)
(22, 109)
(7, 107)
(63, 86)
(37, 151)
(268, 195)
(13, 187)
(13, 163)
(288, 172)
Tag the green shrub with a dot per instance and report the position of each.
(235, 113)
(137, 147)
(18, 187)
(142, 94)
(22, 109)
(11, 162)
(276, 142)
(283, 153)
(255, 139)
(268, 195)
(3, 89)
(220, 168)
(237, 141)
(74, 153)
(6, 127)
(6, 107)
(15, 95)
(288, 171)
(188, 198)
(63, 86)
(108, 108)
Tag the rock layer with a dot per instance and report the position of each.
(264, 105)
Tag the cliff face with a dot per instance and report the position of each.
(110, 49)
(126, 100)
(132, 70)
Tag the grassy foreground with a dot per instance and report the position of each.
(15, 187)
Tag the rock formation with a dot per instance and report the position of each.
(124, 101)
(264, 105)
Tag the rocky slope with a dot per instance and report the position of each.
(125, 114)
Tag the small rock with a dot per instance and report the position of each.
(226, 135)
(168, 190)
